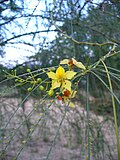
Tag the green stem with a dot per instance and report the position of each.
(114, 110)
(57, 132)
(88, 116)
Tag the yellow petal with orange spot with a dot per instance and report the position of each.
(66, 85)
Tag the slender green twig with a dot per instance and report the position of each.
(88, 116)
(22, 123)
(32, 130)
(114, 110)
(19, 107)
(57, 132)
(106, 87)
(78, 42)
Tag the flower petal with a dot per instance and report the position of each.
(80, 65)
(67, 102)
(74, 61)
(66, 85)
(73, 93)
(64, 61)
(70, 74)
(52, 75)
(60, 73)
(72, 105)
(55, 84)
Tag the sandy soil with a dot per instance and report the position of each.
(29, 129)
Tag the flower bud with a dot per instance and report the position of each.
(41, 87)
(28, 70)
(50, 92)
(32, 82)
(59, 98)
(29, 89)
(39, 80)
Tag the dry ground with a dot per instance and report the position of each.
(34, 125)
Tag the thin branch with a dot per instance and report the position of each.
(25, 34)
(78, 42)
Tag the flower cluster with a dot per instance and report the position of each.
(61, 80)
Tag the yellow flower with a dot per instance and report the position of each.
(67, 95)
(61, 78)
(72, 62)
